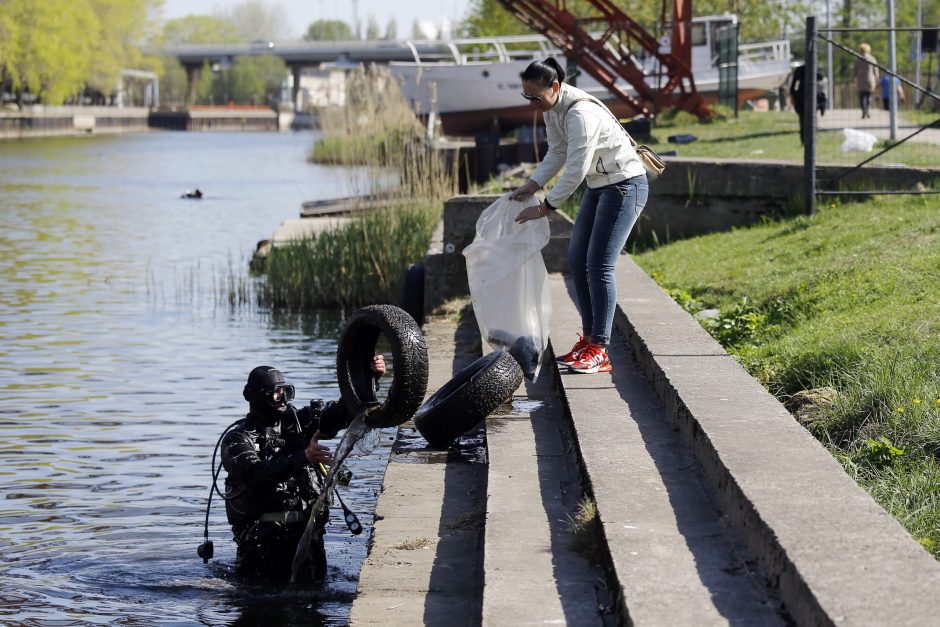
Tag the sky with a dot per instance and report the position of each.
(429, 13)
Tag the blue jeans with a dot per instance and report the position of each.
(605, 219)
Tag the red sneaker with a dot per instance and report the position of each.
(569, 358)
(591, 360)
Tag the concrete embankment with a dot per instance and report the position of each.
(714, 506)
(43, 121)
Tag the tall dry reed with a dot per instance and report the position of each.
(365, 261)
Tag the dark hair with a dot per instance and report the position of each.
(544, 72)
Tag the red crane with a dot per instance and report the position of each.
(612, 54)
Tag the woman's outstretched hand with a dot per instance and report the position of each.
(532, 213)
(525, 190)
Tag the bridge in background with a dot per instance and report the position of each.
(300, 55)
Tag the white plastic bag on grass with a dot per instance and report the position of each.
(509, 284)
(858, 141)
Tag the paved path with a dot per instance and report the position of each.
(878, 125)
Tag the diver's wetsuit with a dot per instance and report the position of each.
(267, 477)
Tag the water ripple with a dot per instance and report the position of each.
(119, 369)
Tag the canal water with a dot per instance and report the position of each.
(121, 362)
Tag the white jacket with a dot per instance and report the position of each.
(588, 142)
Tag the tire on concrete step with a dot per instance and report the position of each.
(354, 356)
(412, 298)
(468, 398)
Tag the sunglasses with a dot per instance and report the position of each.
(531, 98)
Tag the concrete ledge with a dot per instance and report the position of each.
(835, 555)
(425, 562)
(673, 559)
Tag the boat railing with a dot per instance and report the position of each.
(768, 51)
(528, 47)
(480, 50)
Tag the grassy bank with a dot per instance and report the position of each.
(845, 303)
(365, 261)
(774, 135)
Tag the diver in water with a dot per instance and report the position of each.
(269, 456)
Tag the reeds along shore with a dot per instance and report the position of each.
(365, 261)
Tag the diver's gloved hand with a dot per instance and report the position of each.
(316, 453)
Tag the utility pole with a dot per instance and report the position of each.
(355, 4)
(893, 66)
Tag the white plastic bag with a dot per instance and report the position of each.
(857, 140)
(509, 284)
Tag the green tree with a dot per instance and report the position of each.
(372, 29)
(52, 55)
(759, 20)
(391, 29)
(250, 80)
(255, 20)
(199, 29)
(123, 23)
(191, 29)
(328, 30)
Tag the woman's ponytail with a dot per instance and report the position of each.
(544, 72)
(555, 65)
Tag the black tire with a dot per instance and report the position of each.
(412, 297)
(468, 398)
(354, 356)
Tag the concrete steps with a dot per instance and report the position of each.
(715, 506)
(425, 562)
(531, 575)
(674, 560)
(832, 554)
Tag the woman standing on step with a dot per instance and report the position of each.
(585, 138)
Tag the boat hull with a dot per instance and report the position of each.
(469, 97)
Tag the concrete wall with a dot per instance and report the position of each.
(692, 197)
(697, 196)
(41, 121)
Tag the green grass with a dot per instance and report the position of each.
(774, 135)
(848, 299)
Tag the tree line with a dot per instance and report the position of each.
(55, 51)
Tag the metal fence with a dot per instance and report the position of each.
(868, 126)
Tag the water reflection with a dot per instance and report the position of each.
(119, 369)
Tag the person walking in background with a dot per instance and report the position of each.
(866, 79)
(886, 90)
(588, 140)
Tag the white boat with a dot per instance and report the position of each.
(471, 82)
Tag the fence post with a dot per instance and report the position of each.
(809, 115)
(893, 67)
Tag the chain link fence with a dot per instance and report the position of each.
(869, 124)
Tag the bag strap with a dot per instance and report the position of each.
(604, 107)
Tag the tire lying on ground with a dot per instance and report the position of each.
(468, 398)
(354, 358)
